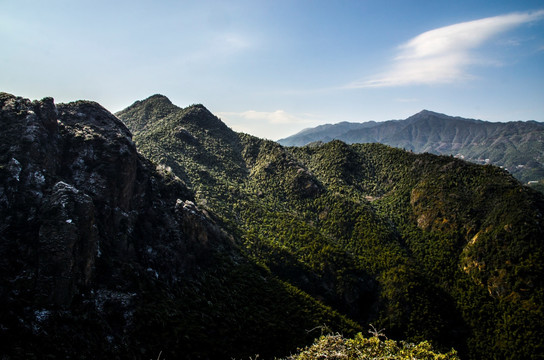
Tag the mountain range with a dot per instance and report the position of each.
(160, 231)
(517, 146)
(428, 247)
(105, 254)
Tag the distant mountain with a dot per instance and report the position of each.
(517, 146)
(324, 133)
(426, 246)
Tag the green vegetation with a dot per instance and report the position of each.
(230, 311)
(516, 146)
(360, 348)
(429, 247)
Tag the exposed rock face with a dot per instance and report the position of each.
(84, 218)
(67, 244)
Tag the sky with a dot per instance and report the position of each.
(272, 68)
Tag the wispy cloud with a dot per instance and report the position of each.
(273, 117)
(267, 124)
(442, 55)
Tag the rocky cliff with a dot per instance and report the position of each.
(80, 208)
(78, 202)
(103, 252)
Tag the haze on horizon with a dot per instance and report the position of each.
(273, 68)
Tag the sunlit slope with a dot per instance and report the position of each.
(429, 247)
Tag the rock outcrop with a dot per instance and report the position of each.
(85, 220)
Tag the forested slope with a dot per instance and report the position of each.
(517, 146)
(428, 247)
(105, 255)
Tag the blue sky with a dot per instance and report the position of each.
(272, 68)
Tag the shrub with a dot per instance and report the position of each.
(336, 347)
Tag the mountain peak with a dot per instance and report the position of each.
(433, 115)
(197, 106)
(428, 114)
(159, 97)
(156, 100)
(157, 112)
(200, 116)
(199, 109)
(142, 111)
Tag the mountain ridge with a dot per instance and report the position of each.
(517, 146)
(188, 239)
(383, 235)
(104, 252)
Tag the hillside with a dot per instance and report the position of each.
(428, 247)
(517, 146)
(105, 255)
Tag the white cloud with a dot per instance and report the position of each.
(442, 55)
(266, 124)
(274, 117)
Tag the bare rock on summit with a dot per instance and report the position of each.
(85, 220)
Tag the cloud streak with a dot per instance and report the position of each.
(273, 117)
(442, 55)
(266, 124)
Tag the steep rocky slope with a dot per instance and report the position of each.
(103, 254)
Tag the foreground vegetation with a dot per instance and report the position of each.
(337, 347)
